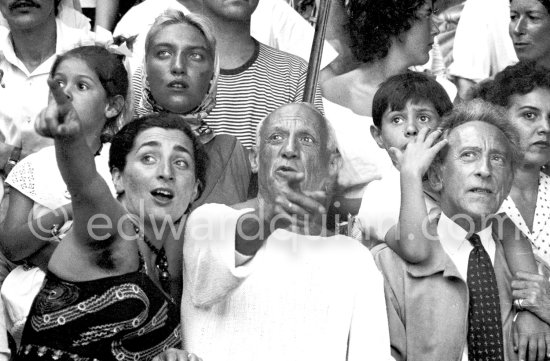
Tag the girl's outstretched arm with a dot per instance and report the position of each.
(95, 212)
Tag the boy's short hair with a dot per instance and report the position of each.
(395, 92)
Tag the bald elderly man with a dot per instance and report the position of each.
(268, 282)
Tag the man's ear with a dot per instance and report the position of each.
(253, 158)
(114, 106)
(116, 175)
(509, 180)
(335, 163)
(434, 177)
(377, 135)
(195, 194)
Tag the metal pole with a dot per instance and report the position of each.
(316, 51)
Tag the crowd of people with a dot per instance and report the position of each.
(167, 195)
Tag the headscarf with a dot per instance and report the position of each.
(195, 118)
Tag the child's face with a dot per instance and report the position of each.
(399, 127)
(82, 86)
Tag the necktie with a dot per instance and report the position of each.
(356, 231)
(484, 319)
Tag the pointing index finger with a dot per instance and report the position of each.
(61, 100)
(58, 94)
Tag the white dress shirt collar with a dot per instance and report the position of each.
(67, 38)
(458, 248)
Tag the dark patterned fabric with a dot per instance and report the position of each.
(117, 318)
(484, 321)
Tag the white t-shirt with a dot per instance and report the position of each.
(381, 204)
(88, 3)
(299, 298)
(482, 46)
(363, 160)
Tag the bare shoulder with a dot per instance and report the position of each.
(353, 90)
(336, 89)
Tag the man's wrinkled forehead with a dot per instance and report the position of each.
(479, 133)
(296, 114)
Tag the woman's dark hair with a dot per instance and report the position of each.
(545, 3)
(519, 79)
(56, 7)
(111, 73)
(412, 86)
(124, 140)
(372, 24)
(481, 90)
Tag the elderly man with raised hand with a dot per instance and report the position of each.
(458, 306)
(268, 282)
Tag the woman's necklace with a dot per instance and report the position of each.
(162, 265)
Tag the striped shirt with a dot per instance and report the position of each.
(249, 93)
(246, 95)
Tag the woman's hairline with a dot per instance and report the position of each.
(175, 17)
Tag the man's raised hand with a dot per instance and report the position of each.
(303, 209)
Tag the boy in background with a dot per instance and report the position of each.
(405, 107)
